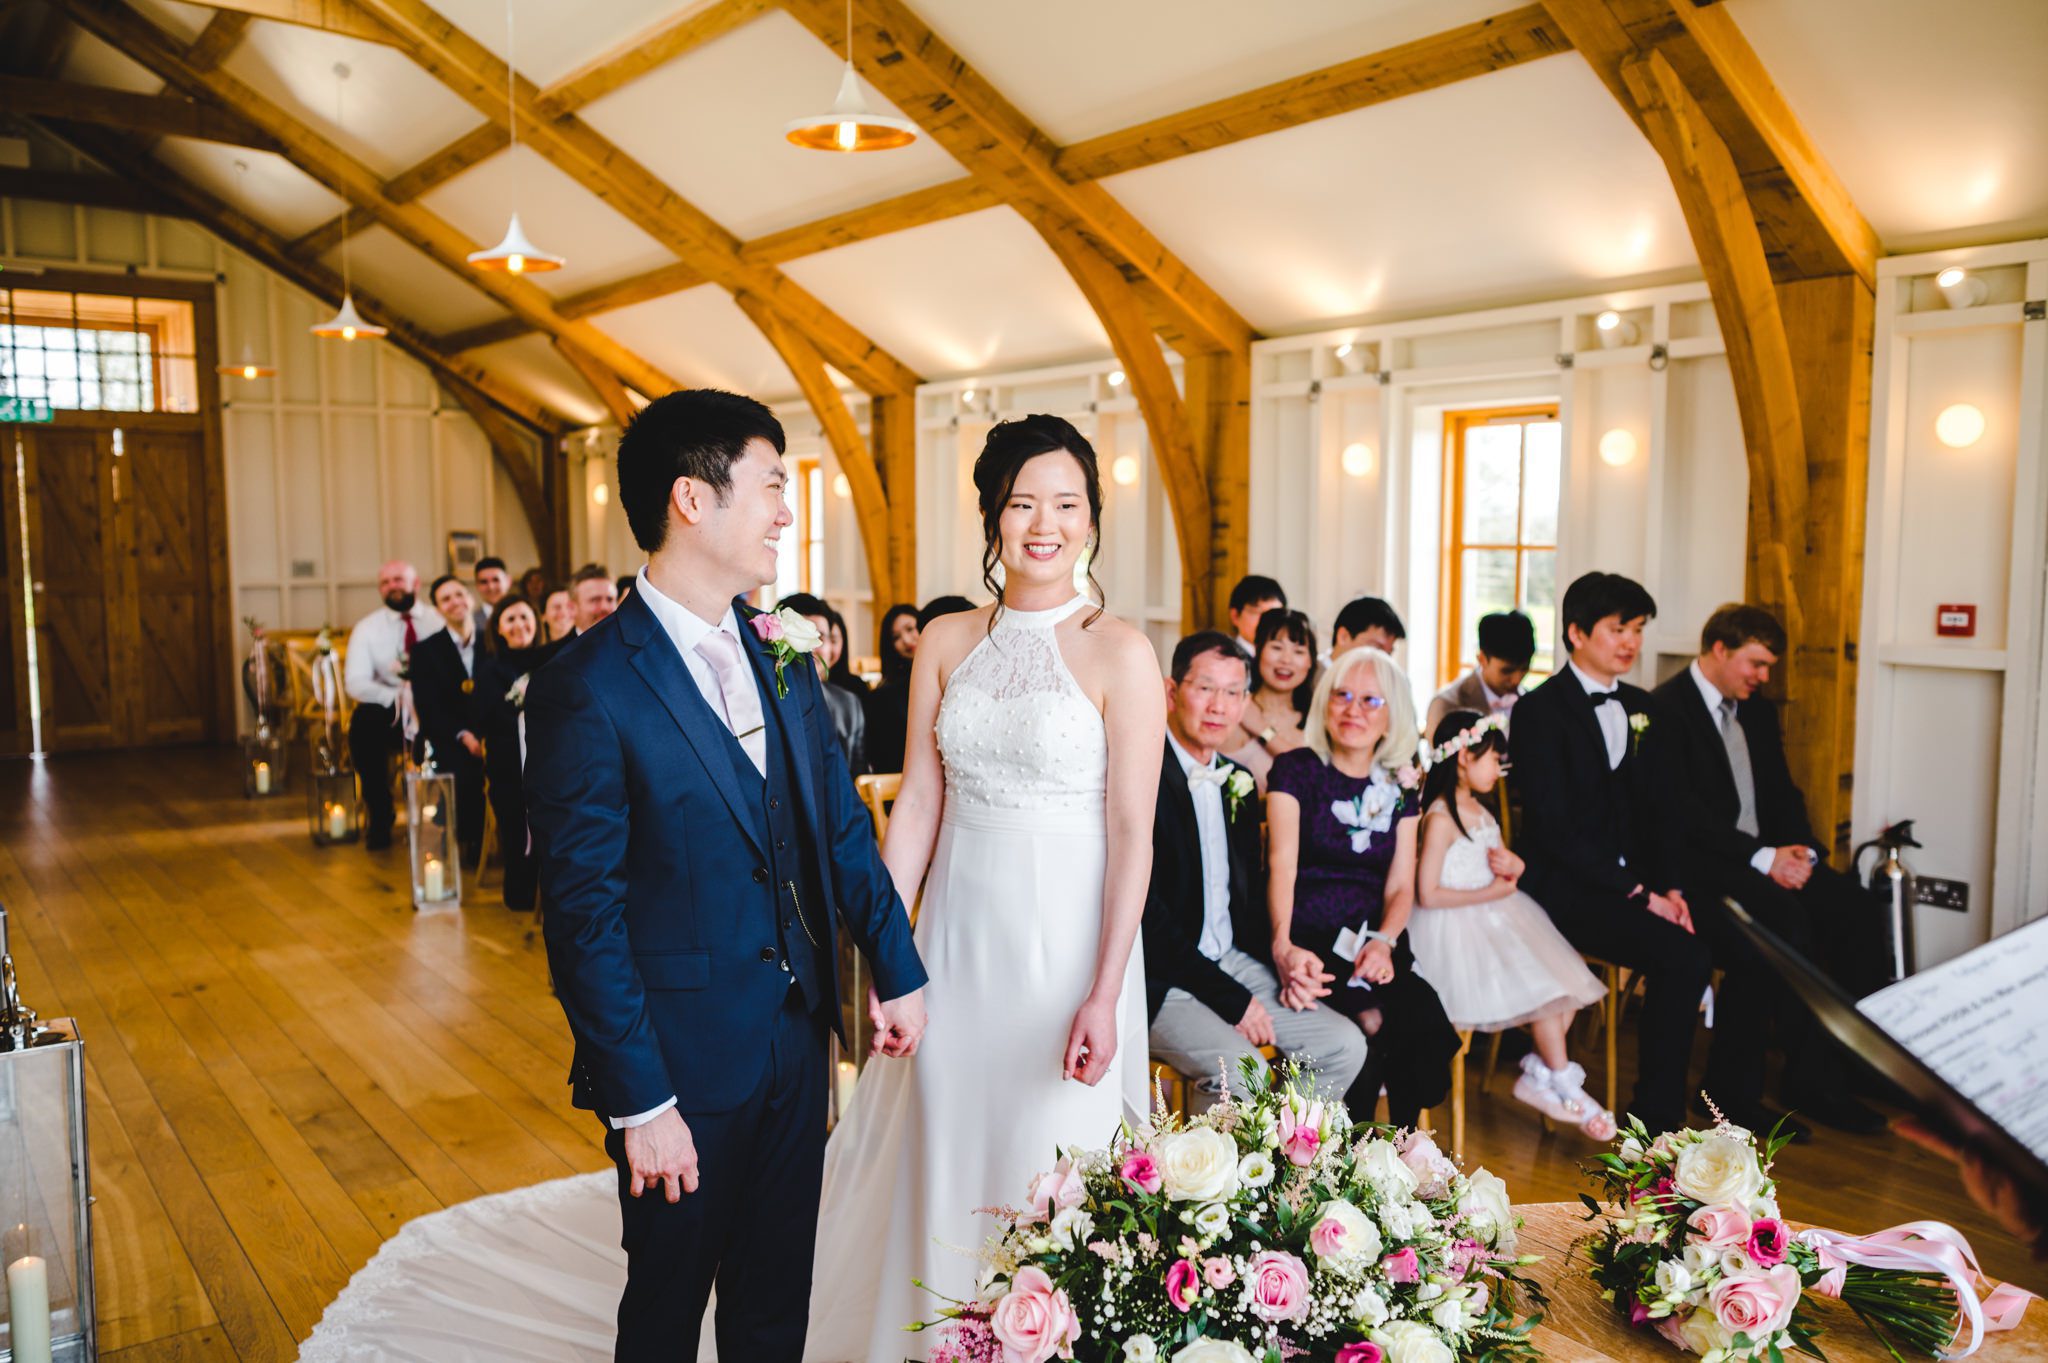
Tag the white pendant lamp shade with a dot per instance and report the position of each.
(850, 125)
(348, 324)
(515, 254)
(247, 369)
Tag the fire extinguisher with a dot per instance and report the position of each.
(1892, 880)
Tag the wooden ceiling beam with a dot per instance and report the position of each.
(142, 40)
(330, 16)
(160, 115)
(645, 51)
(44, 53)
(81, 187)
(218, 40)
(605, 384)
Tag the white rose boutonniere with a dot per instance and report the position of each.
(1638, 725)
(789, 636)
(1236, 789)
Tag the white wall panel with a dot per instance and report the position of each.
(1705, 511)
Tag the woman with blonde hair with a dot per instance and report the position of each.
(1341, 826)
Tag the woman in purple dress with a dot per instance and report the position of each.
(1341, 829)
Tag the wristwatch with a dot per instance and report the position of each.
(1266, 738)
(1375, 935)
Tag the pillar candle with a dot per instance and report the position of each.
(28, 1309)
(432, 876)
(263, 778)
(337, 822)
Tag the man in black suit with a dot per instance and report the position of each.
(1746, 835)
(1213, 996)
(443, 691)
(1600, 854)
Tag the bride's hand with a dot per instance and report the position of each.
(1091, 1042)
(899, 1023)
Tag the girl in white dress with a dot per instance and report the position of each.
(1490, 951)
(1029, 780)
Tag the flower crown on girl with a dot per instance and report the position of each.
(1449, 750)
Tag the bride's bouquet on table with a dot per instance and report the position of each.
(1268, 1229)
(1691, 1244)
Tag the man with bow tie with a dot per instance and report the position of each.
(1597, 834)
(1213, 996)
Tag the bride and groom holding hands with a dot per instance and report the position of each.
(702, 848)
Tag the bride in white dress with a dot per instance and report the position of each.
(1029, 780)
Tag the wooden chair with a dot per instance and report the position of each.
(1620, 981)
(489, 842)
(1458, 1091)
(878, 792)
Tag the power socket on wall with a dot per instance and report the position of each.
(1942, 894)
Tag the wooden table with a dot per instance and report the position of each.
(1578, 1327)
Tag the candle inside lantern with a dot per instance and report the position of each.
(843, 1083)
(427, 812)
(434, 879)
(28, 1309)
(337, 822)
(263, 778)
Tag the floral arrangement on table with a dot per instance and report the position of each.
(1694, 1247)
(1269, 1228)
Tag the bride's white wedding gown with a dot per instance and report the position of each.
(1009, 929)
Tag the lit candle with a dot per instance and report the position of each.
(431, 874)
(263, 778)
(337, 822)
(427, 812)
(28, 1309)
(844, 1082)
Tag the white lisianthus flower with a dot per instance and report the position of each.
(1369, 1307)
(1674, 1280)
(1734, 1261)
(1071, 1228)
(1450, 1315)
(1256, 1169)
(1403, 1219)
(1699, 1260)
(1410, 1341)
(1492, 1216)
(1214, 1351)
(1718, 1169)
(1198, 1165)
(1212, 1220)
(1632, 1150)
(1141, 1349)
(1379, 1164)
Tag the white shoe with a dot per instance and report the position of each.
(1537, 1087)
(1569, 1084)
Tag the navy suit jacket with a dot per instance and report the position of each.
(648, 859)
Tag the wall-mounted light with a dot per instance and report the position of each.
(1357, 459)
(1960, 426)
(1125, 470)
(1618, 446)
(1614, 330)
(840, 487)
(1959, 288)
(966, 397)
(1343, 351)
(1352, 357)
(1116, 378)
(600, 494)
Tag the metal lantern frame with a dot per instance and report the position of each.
(430, 839)
(333, 813)
(263, 763)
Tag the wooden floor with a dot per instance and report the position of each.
(286, 1063)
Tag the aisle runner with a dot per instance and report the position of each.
(533, 1274)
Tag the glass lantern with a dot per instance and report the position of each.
(263, 763)
(430, 828)
(331, 813)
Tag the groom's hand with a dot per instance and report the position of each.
(661, 1154)
(899, 1023)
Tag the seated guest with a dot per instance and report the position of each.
(1744, 825)
(444, 689)
(840, 672)
(1214, 1000)
(1250, 599)
(1490, 952)
(511, 651)
(1596, 836)
(887, 707)
(595, 594)
(847, 720)
(1507, 641)
(1341, 833)
(533, 585)
(1283, 682)
(493, 581)
(380, 648)
(558, 614)
(1366, 622)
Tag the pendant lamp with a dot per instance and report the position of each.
(249, 367)
(347, 324)
(849, 125)
(515, 254)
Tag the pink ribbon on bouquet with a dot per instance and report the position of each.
(1922, 1247)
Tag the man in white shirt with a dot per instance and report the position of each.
(1213, 1001)
(379, 657)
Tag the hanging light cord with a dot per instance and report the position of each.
(341, 83)
(511, 75)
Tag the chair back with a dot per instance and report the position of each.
(878, 792)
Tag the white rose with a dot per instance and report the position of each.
(797, 631)
(1358, 1240)
(1198, 1165)
(1379, 1164)
(1699, 1260)
(1256, 1169)
(1410, 1341)
(1369, 1306)
(1071, 1228)
(1704, 1333)
(1718, 1169)
(1485, 1201)
(1674, 1280)
(1141, 1349)
(1214, 1351)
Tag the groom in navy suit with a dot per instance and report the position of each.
(700, 845)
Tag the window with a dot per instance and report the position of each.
(98, 352)
(1500, 527)
(800, 565)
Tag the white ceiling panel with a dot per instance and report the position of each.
(1934, 116)
(558, 214)
(701, 339)
(92, 62)
(533, 364)
(710, 124)
(274, 191)
(1081, 67)
(970, 294)
(1524, 183)
(176, 17)
(423, 291)
(554, 39)
(395, 114)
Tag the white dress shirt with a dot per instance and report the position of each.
(1212, 824)
(1613, 718)
(371, 674)
(1711, 696)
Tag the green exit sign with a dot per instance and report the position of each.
(26, 411)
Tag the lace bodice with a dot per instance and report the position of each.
(1015, 730)
(1465, 865)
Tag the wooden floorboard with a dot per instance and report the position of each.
(285, 1063)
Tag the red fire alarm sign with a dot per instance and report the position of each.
(1955, 622)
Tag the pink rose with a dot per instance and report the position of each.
(1034, 1321)
(1140, 1172)
(1722, 1227)
(1279, 1286)
(1329, 1237)
(1056, 1191)
(1183, 1284)
(1768, 1241)
(1756, 1304)
(767, 626)
(1363, 1351)
(1402, 1266)
(1424, 1160)
(1218, 1273)
(1301, 1135)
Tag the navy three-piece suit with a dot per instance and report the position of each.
(692, 907)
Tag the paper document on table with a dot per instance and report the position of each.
(1980, 1021)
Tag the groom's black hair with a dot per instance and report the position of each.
(691, 433)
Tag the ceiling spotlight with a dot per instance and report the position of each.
(1960, 426)
(1357, 459)
(1116, 378)
(1125, 469)
(1614, 330)
(1618, 446)
(849, 125)
(1959, 288)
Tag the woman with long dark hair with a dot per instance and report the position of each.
(510, 653)
(1284, 676)
(887, 707)
(1032, 771)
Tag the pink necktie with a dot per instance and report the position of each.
(742, 699)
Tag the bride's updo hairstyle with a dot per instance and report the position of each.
(1010, 446)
